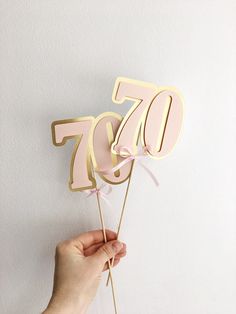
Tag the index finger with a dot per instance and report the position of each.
(93, 237)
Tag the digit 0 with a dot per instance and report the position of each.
(102, 137)
(162, 124)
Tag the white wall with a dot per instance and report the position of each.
(59, 59)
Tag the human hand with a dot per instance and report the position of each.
(79, 263)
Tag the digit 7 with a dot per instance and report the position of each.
(102, 137)
(81, 177)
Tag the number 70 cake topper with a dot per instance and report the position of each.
(108, 144)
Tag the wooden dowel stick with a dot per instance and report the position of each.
(122, 215)
(105, 241)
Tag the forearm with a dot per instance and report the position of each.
(62, 306)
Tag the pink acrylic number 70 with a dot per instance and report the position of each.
(157, 112)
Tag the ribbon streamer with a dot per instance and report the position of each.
(129, 156)
(101, 192)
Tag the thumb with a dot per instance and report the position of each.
(107, 251)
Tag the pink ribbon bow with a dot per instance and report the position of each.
(100, 191)
(125, 152)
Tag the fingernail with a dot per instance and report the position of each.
(117, 246)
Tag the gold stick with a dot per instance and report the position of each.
(105, 241)
(121, 216)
